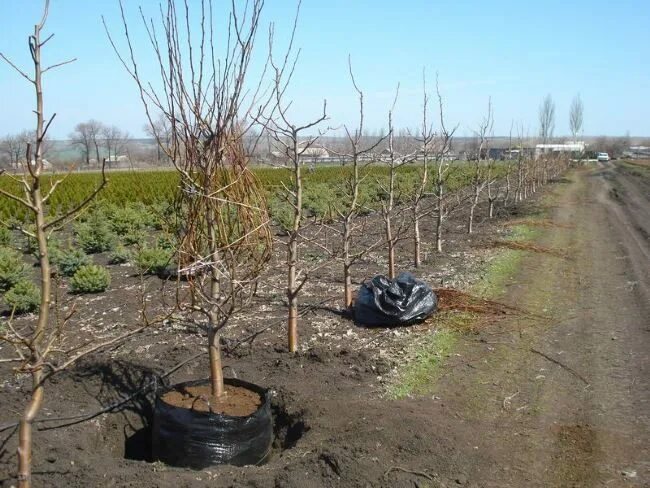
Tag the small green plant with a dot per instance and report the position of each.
(166, 241)
(129, 219)
(95, 235)
(281, 212)
(119, 255)
(23, 297)
(134, 238)
(320, 200)
(12, 268)
(90, 278)
(6, 237)
(68, 261)
(153, 260)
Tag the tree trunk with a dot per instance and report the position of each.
(216, 368)
(470, 221)
(292, 290)
(36, 401)
(506, 197)
(347, 279)
(292, 250)
(439, 219)
(25, 432)
(417, 260)
(472, 208)
(391, 248)
(97, 152)
(214, 315)
(292, 324)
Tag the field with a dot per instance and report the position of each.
(161, 187)
(456, 385)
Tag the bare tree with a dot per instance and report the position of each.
(443, 170)
(87, 136)
(479, 171)
(509, 168)
(547, 119)
(491, 187)
(114, 141)
(576, 116)
(225, 239)
(521, 189)
(159, 130)
(358, 149)
(287, 137)
(425, 137)
(395, 161)
(14, 147)
(40, 348)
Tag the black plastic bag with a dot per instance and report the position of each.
(183, 437)
(402, 301)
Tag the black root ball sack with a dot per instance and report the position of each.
(402, 301)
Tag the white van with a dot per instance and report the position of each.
(602, 157)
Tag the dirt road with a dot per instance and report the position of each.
(565, 401)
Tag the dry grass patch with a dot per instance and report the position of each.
(451, 299)
(545, 223)
(529, 246)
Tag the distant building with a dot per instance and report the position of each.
(501, 152)
(312, 153)
(637, 152)
(46, 164)
(572, 147)
(116, 162)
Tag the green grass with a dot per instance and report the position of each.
(418, 377)
(523, 233)
(504, 265)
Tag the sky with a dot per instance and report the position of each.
(510, 51)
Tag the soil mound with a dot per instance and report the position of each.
(237, 401)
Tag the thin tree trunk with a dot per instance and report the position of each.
(97, 152)
(417, 260)
(347, 278)
(391, 249)
(36, 401)
(214, 347)
(439, 217)
(292, 252)
(292, 323)
(472, 208)
(25, 432)
(216, 367)
(347, 234)
(470, 221)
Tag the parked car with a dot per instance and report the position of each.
(602, 157)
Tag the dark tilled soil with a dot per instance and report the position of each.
(333, 425)
(502, 415)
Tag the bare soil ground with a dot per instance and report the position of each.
(565, 401)
(557, 397)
